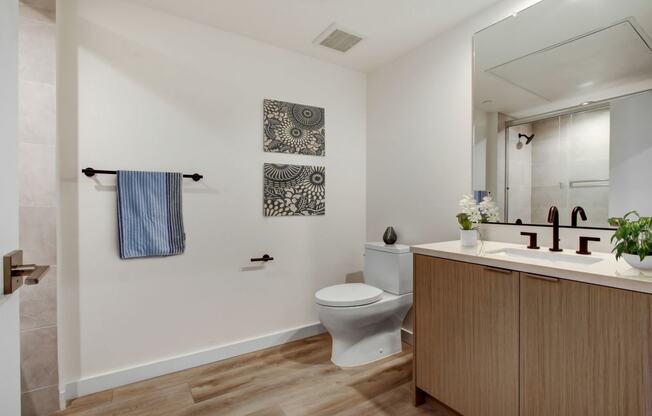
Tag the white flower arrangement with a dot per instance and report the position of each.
(473, 213)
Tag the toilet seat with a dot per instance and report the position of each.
(348, 294)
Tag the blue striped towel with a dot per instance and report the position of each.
(150, 221)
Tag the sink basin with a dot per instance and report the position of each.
(544, 255)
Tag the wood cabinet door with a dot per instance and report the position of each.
(585, 349)
(466, 336)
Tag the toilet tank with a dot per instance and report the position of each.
(388, 267)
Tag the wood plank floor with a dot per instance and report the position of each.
(289, 380)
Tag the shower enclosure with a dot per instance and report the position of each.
(562, 161)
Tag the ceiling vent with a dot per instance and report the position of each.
(337, 39)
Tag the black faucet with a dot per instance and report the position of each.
(553, 218)
(584, 245)
(577, 210)
(533, 240)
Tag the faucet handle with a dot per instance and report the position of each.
(584, 245)
(533, 240)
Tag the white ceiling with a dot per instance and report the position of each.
(390, 28)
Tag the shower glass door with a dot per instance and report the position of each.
(566, 164)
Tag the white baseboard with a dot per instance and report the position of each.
(113, 379)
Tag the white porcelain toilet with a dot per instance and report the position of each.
(364, 319)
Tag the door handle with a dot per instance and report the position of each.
(15, 273)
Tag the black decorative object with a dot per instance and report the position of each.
(293, 128)
(294, 190)
(389, 237)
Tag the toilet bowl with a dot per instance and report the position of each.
(365, 319)
(363, 333)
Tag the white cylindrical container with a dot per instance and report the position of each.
(469, 238)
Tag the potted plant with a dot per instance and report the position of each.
(633, 240)
(474, 213)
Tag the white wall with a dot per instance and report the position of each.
(631, 156)
(10, 358)
(419, 135)
(9, 304)
(146, 90)
(419, 126)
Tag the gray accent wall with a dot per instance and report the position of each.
(37, 212)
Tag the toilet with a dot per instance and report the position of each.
(365, 319)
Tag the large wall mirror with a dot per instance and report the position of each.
(562, 99)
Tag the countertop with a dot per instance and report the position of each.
(606, 272)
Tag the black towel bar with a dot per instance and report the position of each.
(92, 172)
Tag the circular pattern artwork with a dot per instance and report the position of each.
(294, 190)
(293, 128)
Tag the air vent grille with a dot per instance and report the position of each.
(340, 40)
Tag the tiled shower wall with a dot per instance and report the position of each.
(36, 152)
(520, 175)
(566, 149)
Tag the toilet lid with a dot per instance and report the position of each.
(348, 294)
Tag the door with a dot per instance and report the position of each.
(585, 349)
(9, 304)
(466, 334)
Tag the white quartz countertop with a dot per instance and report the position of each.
(603, 270)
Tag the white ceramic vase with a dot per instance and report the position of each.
(469, 238)
(635, 261)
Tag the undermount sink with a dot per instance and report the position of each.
(545, 255)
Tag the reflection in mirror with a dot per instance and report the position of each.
(561, 161)
(562, 111)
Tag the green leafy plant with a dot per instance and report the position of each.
(465, 222)
(633, 236)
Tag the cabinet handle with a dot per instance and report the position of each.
(494, 270)
(547, 279)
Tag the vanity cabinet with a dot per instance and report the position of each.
(496, 342)
(466, 335)
(585, 349)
